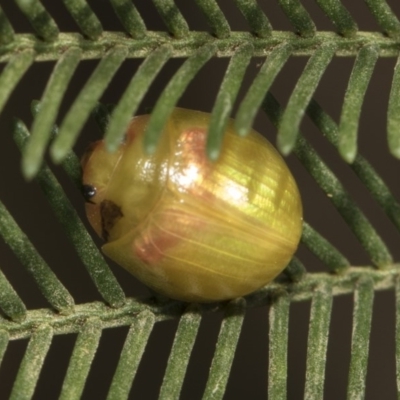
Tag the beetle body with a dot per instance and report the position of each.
(190, 228)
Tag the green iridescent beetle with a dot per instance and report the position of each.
(190, 228)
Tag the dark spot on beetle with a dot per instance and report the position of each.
(110, 214)
(88, 192)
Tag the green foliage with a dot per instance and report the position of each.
(18, 51)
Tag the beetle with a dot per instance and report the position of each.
(190, 228)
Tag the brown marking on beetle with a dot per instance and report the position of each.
(110, 214)
(169, 228)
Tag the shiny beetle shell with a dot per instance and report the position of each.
(190, 228)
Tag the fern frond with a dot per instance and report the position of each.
(58, 121)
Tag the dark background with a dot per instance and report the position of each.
(249, 374)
